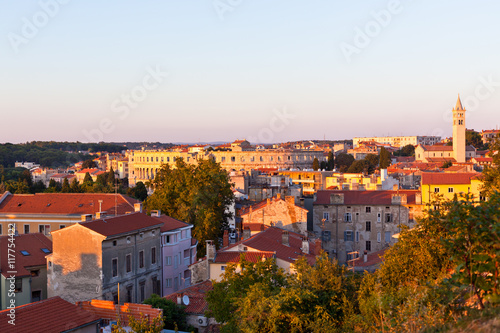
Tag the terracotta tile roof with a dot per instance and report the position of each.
(121, 224)
(47, 316)
(33, 244)
(439, 178)
(66, 203)
(270, 240)
(383, 198)
(196, 293)
(91, 171)
(483, 159)
(109, 310)
(234, 256)
(437, 147)
(169, 223)
(373, 258)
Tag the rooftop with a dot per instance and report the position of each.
(47, 316)
(32, 254)
(111, 226)
(196, 293)
(439, 178)
(383, 198)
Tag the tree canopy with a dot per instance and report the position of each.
(199, 195)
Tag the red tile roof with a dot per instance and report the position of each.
(90, 171)
(47, 316)
(438, 178)
(234, 256)
(196, 293)
(66, 203)
(373, 258)
(109, 310)
(33, 244)
(255, 226)
(270, 240)
(121, 224)
(169, 223)
(365, 197)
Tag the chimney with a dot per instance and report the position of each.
(418, 198)
(86, 217)
(278, 196)
(305, 245)
(317, 246)
(246, 233)
(100, 215)
(179, 299)
(395, 187)
(138, 207)
(285, 238)
(301, 202)
(156, 213)
(365, 256)
(225, 239)
(268, 201)
(263, 227)
(210, 250)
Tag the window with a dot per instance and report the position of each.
(368, 245)
(168, 283)
(450, 189)
(326, 216)
(167, 239)
(223, 268)
(129, 294)
(176, 283)
(348, 217)
(379, 217)
(388, 217)
(142, 290)
(326, 235)
(62, 226)
(175, 261)
(114, 243)
(348, 236)
(35, 273)
(26, 228)
(378, 237)
(36, 296)
(387, 236)
(115, 298)
(368, 209)
(436, 190)
(114, 267)
(368, 226)
(1, 231)
(18, 287)
(44, 229)
(153, 256)
(233, 159)
(156, 285)
(141, 259)
(128, 262)
(357, 236)
(168, 261)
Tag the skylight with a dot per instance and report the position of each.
(45, 250)
(25, 253)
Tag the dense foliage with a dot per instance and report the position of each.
(199, 195)
(51, 154)
(174, 316)
(440, 275)
(408, 150)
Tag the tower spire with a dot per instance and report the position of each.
(458, 106)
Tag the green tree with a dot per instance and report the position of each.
(199, 195)
(174, 315)
(89, 164)
(315, 165)
(474, 138)
(75, 186)
(491, 174)
(343, 161)
(110, 179)
(142, 325)
(22, 187)
(139, 192)
(408, 150)
(330, 161)
(225, 299)
(65, 186)
(385, 158)
(358, 166)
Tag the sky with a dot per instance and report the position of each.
(264, 70)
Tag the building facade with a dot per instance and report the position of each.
(352, 222)
(91, 259)
(399, 141)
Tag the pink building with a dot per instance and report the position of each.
(178, 250)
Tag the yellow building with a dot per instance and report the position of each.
(447, 185)
(358, 181)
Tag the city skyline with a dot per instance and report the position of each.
(224, 70)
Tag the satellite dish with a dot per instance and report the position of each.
(185, 300)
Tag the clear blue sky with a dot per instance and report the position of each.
(232, 64)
